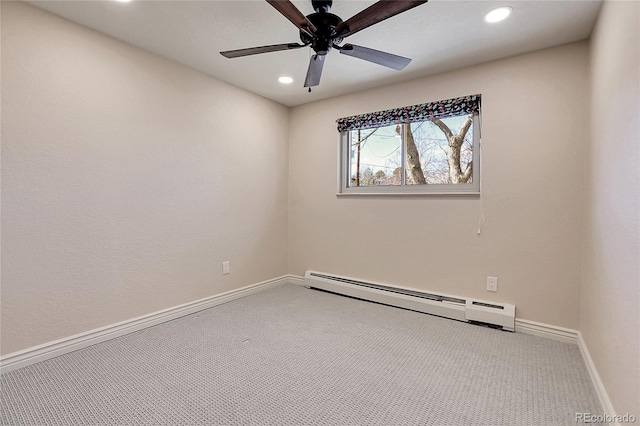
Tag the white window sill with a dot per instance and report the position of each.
(407, 193)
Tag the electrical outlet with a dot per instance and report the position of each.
(225, 267)
(492, 283)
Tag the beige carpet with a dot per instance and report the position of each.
(294, 356)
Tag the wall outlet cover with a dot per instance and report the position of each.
(492, 283)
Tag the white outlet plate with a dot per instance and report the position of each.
(492, 283)
(225, 267)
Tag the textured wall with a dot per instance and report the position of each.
(126, 180)
(534, 129)
(610, 296)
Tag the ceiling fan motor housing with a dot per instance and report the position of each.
(325, 37)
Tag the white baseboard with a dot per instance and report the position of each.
(570, 336)
(603, 396)
(296, 279)
(59, 347)
(545, 330)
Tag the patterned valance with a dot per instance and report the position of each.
(448, 107)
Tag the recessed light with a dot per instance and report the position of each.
(285, 80)
(123, 1)
(498, 14)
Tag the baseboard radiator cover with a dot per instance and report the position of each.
(498, 315)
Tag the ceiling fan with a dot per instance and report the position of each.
(323, 30)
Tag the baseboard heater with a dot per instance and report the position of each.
(498, 315)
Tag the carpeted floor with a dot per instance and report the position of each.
(294, 356)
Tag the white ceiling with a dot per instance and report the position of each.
(439, 36)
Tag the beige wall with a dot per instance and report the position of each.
(126, 180)
(610, 296)
(535, 121)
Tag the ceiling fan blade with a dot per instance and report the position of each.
(375, 13)
(315, 71)
(261, 49)
(289, 11)
(382, 58)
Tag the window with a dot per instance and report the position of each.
(430, 148)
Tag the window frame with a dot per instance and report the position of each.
(344, 171)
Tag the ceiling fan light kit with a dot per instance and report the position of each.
(323, 31)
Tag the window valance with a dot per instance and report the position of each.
(445, 108)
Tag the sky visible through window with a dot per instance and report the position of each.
(380, 155)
